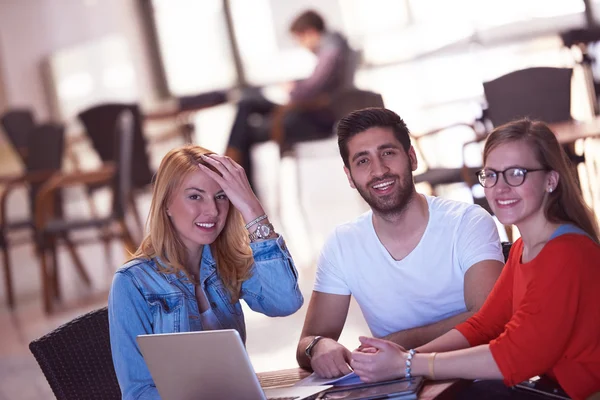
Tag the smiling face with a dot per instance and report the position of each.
(381, 170)
(198, 210)
(521, 204)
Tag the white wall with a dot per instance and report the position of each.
(31, 30)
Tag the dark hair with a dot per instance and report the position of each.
(361, 120)
(565, 204)
(308, 20)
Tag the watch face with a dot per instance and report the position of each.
(264, 231)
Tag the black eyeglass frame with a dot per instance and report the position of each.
(498, 173)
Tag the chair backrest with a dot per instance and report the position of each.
(17, 124)
(45, 149)
(343, 103)
(76, 359)
(101, 121)
(539, 93)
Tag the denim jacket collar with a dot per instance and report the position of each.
(207, 266)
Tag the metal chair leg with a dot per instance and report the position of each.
(76, 260)
(47, 297)
(56, 292)
(10, 296)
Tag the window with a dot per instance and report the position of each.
(194, 45)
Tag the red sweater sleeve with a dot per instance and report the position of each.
(539, 331)
(490, 320)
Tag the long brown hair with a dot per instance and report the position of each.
(565, 204)
(231, 249)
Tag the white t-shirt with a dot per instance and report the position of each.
(424, 287)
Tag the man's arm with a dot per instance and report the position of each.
(479, 281)
(325, 317)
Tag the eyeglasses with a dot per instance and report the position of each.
(514, 176)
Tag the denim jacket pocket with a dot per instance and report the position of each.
(165, 310)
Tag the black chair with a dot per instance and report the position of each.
(542, 93)
(506, 246)
(76, 359)
(50, 226)
(99, 120)
(45, 148)
(17, 124)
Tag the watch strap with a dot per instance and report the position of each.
(311, 345)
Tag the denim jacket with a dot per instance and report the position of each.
(145, 301)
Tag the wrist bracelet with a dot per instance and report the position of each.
(407, 370)
(431, 361)
(255, 221)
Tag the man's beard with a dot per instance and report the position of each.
(394, 203)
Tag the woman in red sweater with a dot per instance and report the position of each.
(543, 315)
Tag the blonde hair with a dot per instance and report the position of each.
(565, 204)
(231, 249)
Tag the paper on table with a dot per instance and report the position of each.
(314, 380)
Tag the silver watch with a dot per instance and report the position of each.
(263, 231)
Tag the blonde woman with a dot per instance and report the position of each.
(209, 244)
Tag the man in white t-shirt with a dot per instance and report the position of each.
(417, 265)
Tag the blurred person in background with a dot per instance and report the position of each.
(543, 315)
(334, 71)
(209, 245)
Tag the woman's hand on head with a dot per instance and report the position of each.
(378, 360)
(234, 183)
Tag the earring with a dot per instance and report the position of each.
(550, 189)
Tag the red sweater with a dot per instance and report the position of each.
(543, 317)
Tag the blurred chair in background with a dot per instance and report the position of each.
(17, 124)
(542, 93)
(100, 122)
(50, 226)
(44, 149)
(100, 119)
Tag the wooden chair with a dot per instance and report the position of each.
(99, 120)
(50, 226)
(76, 359)
(17, 124)
(45, 145)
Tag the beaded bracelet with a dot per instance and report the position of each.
(407, 371)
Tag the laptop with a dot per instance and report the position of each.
(209, 365)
